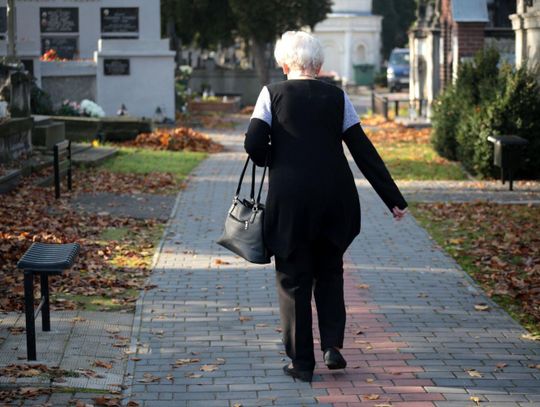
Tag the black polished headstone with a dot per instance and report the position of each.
(3, 20)
(28, 65)
(59, 19)
(65, 47)
(116, 66)
(120, 20)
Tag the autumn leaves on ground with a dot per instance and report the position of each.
(115, 251)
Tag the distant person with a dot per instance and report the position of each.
(312, 208)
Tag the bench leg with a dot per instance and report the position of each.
(29, 311)
(45, 312)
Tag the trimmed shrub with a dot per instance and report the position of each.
(476, 84)
(488, 100)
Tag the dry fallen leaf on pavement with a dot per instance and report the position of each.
(219, 261)
(149, 378)
(181, 362)
(112, 330)
(245, 318)
(474, 373)
(362, 285)
(105, 365)
(371, 396)
(170, 377)
(481, 307)
(132, 404)
(531, 337)
(382, 405)
(193, 375)
(476, 399)
(208, 368)
(106, 401)
(501, 365)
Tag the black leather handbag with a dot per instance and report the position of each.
(243, 233)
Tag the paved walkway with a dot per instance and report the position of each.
(208, 333)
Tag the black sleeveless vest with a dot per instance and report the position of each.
(311, 191)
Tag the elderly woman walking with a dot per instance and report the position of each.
(312, 207)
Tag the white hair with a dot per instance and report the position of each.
(300, 51)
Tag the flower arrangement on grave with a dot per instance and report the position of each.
(86, 108)
(91, 109)
(51, 55)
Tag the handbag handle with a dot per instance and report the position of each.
(252, 192)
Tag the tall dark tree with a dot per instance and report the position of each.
(210, 22)
(398, 15)
(204, 23)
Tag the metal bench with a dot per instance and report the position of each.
(44, 259)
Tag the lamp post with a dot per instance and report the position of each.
(11, 32)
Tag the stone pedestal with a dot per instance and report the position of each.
(138, 74)
(526, 24)
(15, 138)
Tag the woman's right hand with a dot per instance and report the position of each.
(399, 213)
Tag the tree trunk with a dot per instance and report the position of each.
(261, 64)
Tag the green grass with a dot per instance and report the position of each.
(417, 161)
(145, 161)
(97, 303)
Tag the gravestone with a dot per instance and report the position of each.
(59, 19)
(3, 22)
(119, 22)
(16, 131)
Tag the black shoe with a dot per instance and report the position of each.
(303, 375)
(333, 359)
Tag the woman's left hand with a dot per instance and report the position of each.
(398, 213)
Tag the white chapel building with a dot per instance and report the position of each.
(351, 35)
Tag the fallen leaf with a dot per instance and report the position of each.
(105, 365)
(371, 396)
(531, 337)
(474, 373)
(149, 378)
(476, 399)
(208, 368)
(193, 375)
(481, 307)
(182, 362)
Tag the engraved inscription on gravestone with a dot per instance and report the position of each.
(116, 66)
(120, 20)
(59, 19)
(65, 47)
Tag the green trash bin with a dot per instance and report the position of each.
(364, 74)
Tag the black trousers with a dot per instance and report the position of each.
(315, 267)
